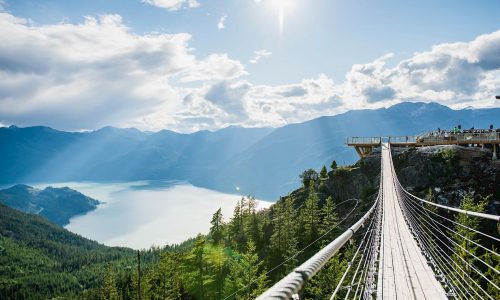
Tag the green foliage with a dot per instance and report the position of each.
(447, 156)
(329, 221)
(333, 166)
(247, 277)
(108, 287)
(310, 216)
(216, 231)
(464, 251)
(42, 260)
(195, 268)
(164, 278)
(494, 261)
(323, 174)
(307, 176)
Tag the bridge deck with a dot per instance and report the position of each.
(403, 271)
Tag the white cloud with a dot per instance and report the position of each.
(220, 24)
(173, 5)
(213, 67)
(454, 74)
(258, 54)
(98, 72)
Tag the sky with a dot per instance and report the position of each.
(189, 65)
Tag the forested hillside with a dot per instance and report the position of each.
(56, 204)
(245, 253)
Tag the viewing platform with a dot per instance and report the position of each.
(483, 138)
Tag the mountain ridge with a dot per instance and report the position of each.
(263, 162)
(56, 204)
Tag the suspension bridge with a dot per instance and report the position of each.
(409, 248)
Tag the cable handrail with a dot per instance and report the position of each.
(466, 212)
(291, 284)
(413, 218)
(430, 234)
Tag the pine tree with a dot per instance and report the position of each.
(323, 174)
(307, 176)
(310, 216)
(494, 261)
(247, 278)
(290, 235)
(216, 231)
(163, 280)
(250, 205)
(252, 227)
(236, 226)
(323, 284)
(217, 259)
(329, 220)
(284, 242)
(108, 287)
(195, 275)
(254, 231)
(463, 247)
(277, 245)
(333, 165)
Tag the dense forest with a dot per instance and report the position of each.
(241, 257)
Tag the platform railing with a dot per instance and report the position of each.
(460, 138)
(363, 140)
(429, 138)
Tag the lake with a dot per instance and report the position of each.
(141, 214)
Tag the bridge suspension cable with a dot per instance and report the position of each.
(458, 247)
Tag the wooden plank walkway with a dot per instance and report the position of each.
(403, 272)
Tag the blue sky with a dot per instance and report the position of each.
(174, 64)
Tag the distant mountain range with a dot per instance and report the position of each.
(56, 204)
(264, 162)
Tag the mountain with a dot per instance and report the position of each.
(263, 162)
(56, 204)
(40, 260)
(269, 168)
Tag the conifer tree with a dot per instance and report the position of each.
(310, 216)
(164, 278)
(307, 176)
(329, 220)
(323, 284)
(333, 165)
(284, 242)
(247, 278)
(217, 259)
(216, 231)
(463, 248)
(196, 277)
(108, 287)
(277, 244)
(494, 261)
(290, 235)
(236, 226)
(323, 174)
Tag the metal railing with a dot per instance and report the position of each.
(363, 140)
(459, 138)
(293, 283)
(401, 140)
(430, 138)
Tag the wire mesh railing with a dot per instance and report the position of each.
(464, 258)
(462, 254)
